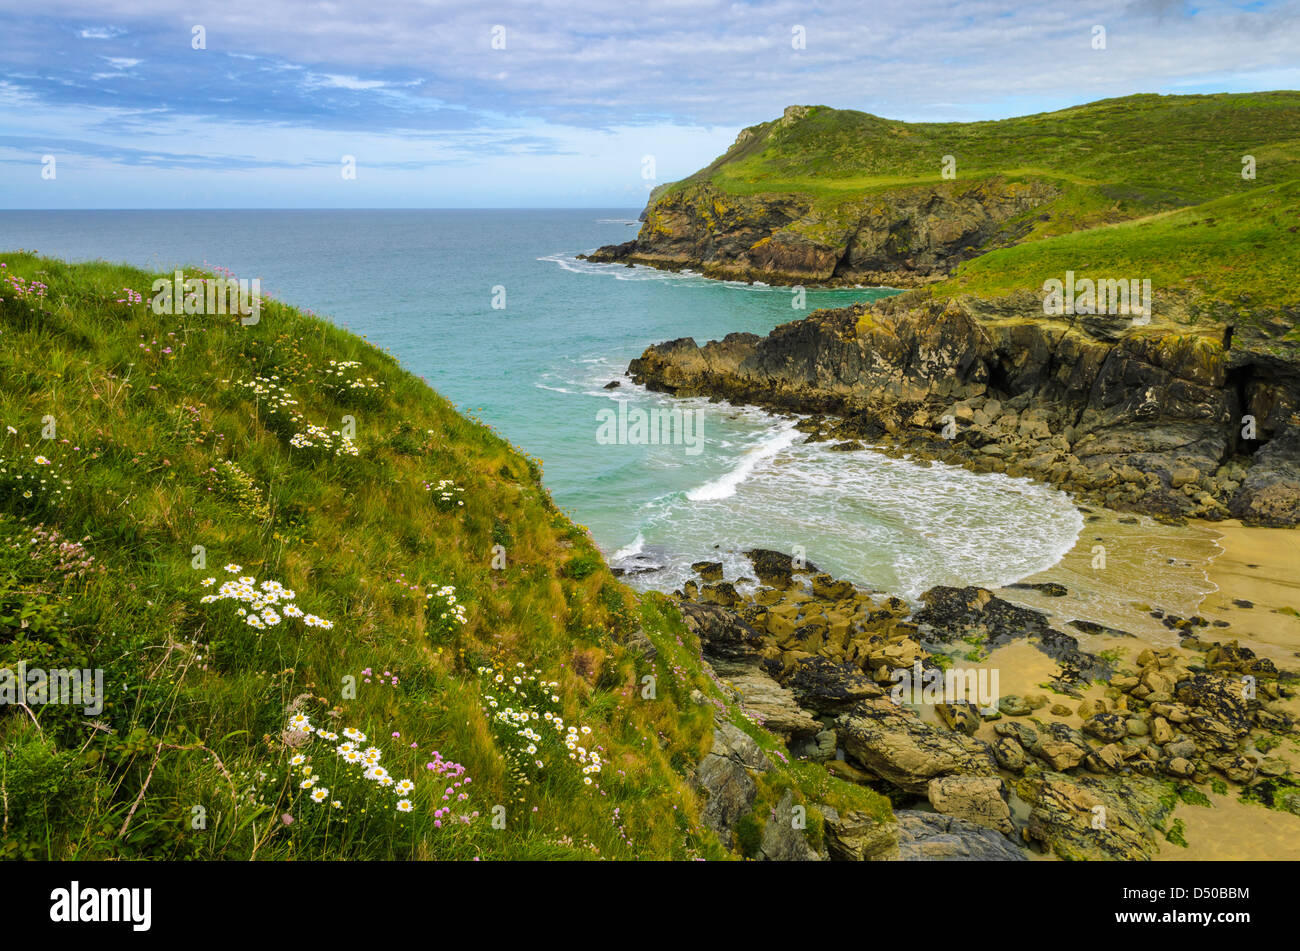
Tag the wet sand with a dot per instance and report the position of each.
(1262, 566)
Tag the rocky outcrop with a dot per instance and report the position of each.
(722, 633)
(903, 237)
(895, 744)
(981, 800)
(766, 701)
(1085, 818)
(932, 837)
(976, 615)
(1270, 491)
(776, 568)
(1161, 417)
(856, 836)
(724, 781)
(817, 662)
(823, 685)
(783, 839)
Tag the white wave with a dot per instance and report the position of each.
(725, 485)
(630, 551)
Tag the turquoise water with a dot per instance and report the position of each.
(421, 285)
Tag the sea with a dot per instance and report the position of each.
(495, 310)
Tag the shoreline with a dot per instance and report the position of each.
(1196, 570)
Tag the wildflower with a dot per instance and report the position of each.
(404, 805)
(319, 795)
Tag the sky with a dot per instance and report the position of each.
(551, 103)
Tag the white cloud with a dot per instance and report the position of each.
(99, 33)
(334, 81)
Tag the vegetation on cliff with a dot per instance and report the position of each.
(828, 195)
(334, 618)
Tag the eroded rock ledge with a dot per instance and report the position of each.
(817, 661)
(1185, 416)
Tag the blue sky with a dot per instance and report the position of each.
(437, 114)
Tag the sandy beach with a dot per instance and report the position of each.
(1245, 581)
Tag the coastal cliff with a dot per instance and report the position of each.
(905, 238)
(840, 197)
(1178, 396)
(1146, 418)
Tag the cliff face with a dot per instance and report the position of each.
(904, 237)
(1141, 417)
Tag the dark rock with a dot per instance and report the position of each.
(963, 717)
(1107, 727)
(1270, 493)
(776, 569)
(1100, 630)
(721, 632)
(1050, 588)
(824, 685)
(708, 570)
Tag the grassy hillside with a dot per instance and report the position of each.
(181, 505)
(1244, 249)
(1147, 186)
(1116, 158)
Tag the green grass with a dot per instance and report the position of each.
(1126, 173)
(1241, 245)
(153, 453)
(1148, 150)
